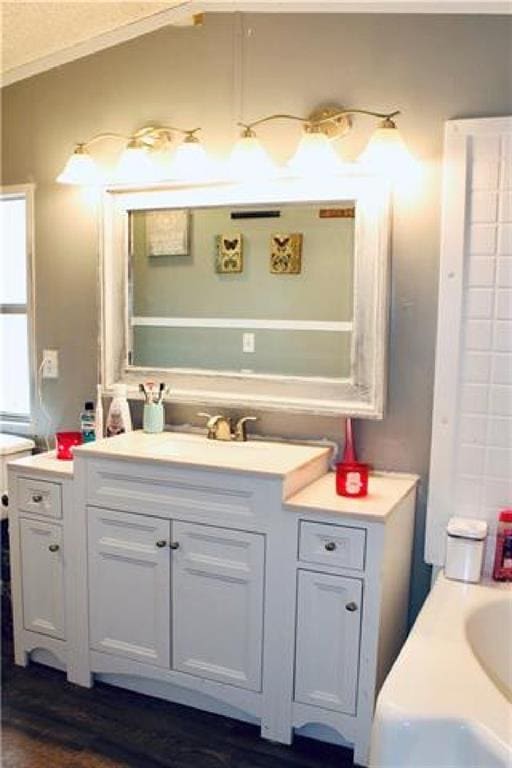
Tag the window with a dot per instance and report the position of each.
(15, 306)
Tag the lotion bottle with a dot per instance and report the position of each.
(119, 419)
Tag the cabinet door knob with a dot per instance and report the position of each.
(330, 546)
(54, 547)
(37, 498)
(161, 543)
(351, 607)
(174, 545)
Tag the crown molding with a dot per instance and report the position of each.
(183, 11)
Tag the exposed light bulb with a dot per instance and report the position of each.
(386, 153)
(249, 159)
(134, 165)
(315, 155)
(190, 161)
(80, 169)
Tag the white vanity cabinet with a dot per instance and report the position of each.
(40, 501)
(164, 592)
(228, 577)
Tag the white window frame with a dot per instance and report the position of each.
(13, 422)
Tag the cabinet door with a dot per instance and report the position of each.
(42, 577)
(129, 610)
(327, 647)
(217, 589)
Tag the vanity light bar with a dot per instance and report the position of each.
(147, 157)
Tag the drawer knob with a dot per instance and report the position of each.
(37, 498)
(351, 607)
(174, 545)
(330, 546)
(54, 547)
(161, 543)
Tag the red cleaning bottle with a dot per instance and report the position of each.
(503, 557)
(351, 474)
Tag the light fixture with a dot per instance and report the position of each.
(145, 158)
(80, 169)
(190, 160)
(134, 165)
(315, 155)
(249, 160)
(386, 153)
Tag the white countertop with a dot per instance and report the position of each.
(13, 444)
(44, 462)
(385, 490)
(184, 449)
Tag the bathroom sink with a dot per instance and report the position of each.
(254, 456)
(207, 448)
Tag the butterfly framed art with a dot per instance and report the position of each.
(229, 253)
(286, 254)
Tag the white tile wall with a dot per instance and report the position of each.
(483, 481)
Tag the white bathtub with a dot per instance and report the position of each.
(447, 702)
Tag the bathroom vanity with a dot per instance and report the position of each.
(225, 576)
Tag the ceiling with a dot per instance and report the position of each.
(36, 36)
(31, 31)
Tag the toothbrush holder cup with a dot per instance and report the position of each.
(153, 417)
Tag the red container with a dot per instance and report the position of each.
(352, 479)
(503, 557)
(351, 474)
(66, 441)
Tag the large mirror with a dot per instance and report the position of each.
(273, 298)
(243, 289)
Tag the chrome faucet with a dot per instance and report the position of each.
(220, 428)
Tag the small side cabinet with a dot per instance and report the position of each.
(42, 577)
(327, 645)
(40, 503)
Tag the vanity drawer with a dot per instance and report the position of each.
(39, 497)
(336, 545)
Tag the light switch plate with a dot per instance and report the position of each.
(248, 342)
(50, 368)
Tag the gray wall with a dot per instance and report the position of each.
(433, 68)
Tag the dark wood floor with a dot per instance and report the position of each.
(49, 723)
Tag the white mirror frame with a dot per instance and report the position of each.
(362, 394)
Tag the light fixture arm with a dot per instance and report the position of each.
(316, 120)
(149, 136)
(346, 112)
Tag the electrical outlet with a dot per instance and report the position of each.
(248, 342)
(50, 368)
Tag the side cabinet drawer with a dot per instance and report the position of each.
(336, 545)
(39, 497)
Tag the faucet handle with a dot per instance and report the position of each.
(219, 426)
(240, 429)
(210, 424)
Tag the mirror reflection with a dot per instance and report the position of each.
(263, 290)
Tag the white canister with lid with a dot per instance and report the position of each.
(465, 542)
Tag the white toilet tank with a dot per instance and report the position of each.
(11, 447)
